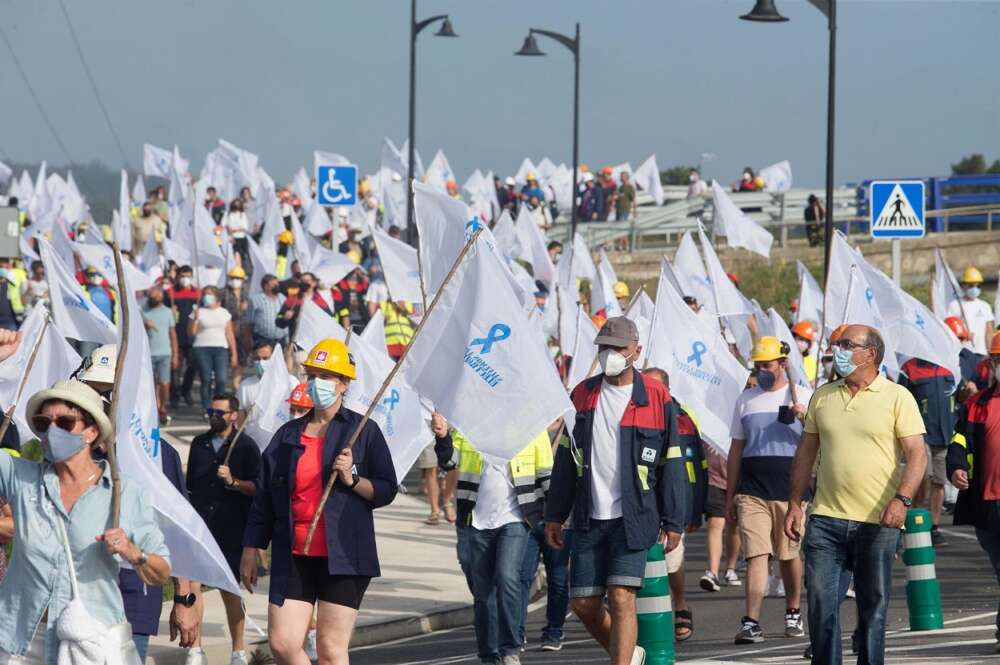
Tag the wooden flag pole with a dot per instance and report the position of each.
(123, 298)
(388, 380)
(9, 415)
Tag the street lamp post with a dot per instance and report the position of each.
(765, 11)
(415, 28)
(530, 48)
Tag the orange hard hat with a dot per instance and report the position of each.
(995, 345)
(283, 195)
(838, 332)
(607, 170)
(804, 329)
(296, 202)
(300, 397)
(957, 326)
(733, 278)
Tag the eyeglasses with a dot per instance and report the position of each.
(298, 413)
(41, 423)
(216, 413)
(848, 345)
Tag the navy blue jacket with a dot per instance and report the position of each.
(350, 528)
(142, 602)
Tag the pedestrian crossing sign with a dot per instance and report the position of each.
(897, 209)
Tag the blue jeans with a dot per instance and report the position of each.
(557, 576)
(484, 607)
(833, 547)
(212, 360)
(601, 557)
(141, 645)
(495, 568)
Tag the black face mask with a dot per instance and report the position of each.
(217, 425)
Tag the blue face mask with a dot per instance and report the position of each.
(259, 367)
(58, 445)
(323, 392)
(843, 361)
(208, 300)
(973, 292)
(766, 379)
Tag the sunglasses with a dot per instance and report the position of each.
(216, 413)
(848, 345)
(42, 423)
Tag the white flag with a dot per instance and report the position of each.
(439, 172)
(521, 177)
(575, 264)
(480, 362)
(602, 294)
(323, 158)
(149, 261)
(780, 330)
(944, 287)
(72, 311)
(728, 299)
(534, 251)
(810, 306)
(777, 177)
(691, 272)
(270, 410)
(5, 173)
(583, 350)
(139, 195)
(159, 161)
(506, 234)
(55, 361)
(329, 266)
(41, 201)
(121, 229)
(444, 224)
(263, 259)
(374, 332)
(642, 313)
(317, 221)
(399, 266)
(704, 376)
(647, 176)
(314, 325)
(739, 229)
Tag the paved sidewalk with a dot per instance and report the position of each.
(421, 588)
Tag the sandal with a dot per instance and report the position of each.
(433, 520)
(449, 513)
(683, 625)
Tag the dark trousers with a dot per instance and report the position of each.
(833, 547)
(182, 378)
(557, 579)
(989, 540)
(212, 360)
(495, 568)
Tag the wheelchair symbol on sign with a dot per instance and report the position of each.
(333, 189)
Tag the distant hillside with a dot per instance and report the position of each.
(97, 182)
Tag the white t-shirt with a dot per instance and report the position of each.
(237, 223)
(977, 314)
(496, 502)
(247, 394)
(605, 467)
(377, 292)
(212, 327)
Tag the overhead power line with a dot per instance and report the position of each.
(93, 85)
(34, 96)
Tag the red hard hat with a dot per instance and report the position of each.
(300, 397)
(957, 326)
(733, 278)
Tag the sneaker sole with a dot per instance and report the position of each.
(552, 648)
(708, 585)
(798, 632)
(748, 640)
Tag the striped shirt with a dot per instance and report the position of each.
(264, 311)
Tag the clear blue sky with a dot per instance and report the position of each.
(918, 84)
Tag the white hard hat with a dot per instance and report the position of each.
(588, 176)
(396, 177)
(342, 212)
(509, 181)
(100, 366)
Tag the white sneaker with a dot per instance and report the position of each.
(775, 587)
(196, 656)
(310, 646)
(239, 658)
(638, 656)
(731, 578)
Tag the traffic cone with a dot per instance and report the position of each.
(656, 612)
(923, 592)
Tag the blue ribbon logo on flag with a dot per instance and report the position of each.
(471, 227)
(498, 332)
(919, 321)
(392, 400)
(698, 349)
(869, 296)
(107, 263)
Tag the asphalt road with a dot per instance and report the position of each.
(969, 597)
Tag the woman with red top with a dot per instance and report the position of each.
(342, 558)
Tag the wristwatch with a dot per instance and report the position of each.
(357, 479)
(905, 500)
(185, 600)
(141, 561)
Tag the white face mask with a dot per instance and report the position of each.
(236, 283)
(612, 362)
(803, 345)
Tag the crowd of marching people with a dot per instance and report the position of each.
(640, 466)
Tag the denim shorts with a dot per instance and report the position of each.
(601, 557)
(161, 369)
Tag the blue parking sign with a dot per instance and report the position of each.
(337, 185)
(897, 209)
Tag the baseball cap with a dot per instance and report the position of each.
(618, 331)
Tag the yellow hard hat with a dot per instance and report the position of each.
(972, 276)
(621, 290)
(106, 234)
(238, 273)
(768, 348)
(354, 257)
(332, 355)
(286, 238)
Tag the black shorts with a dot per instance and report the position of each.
(309, 581)
(715, 503)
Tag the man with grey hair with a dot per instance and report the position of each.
(865, 426)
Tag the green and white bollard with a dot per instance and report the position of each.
(923, 592)
(656, 612)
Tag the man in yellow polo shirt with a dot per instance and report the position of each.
(862, 427)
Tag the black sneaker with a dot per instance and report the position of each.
(551, 643)
(937, 538)
(750, 632)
